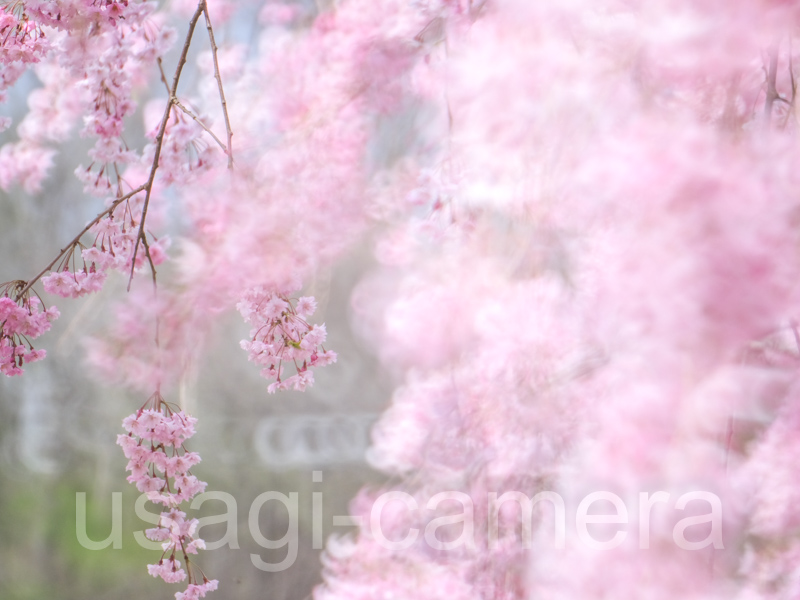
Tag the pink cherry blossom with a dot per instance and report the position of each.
(281, 335)
(585, 224)
(21, 321)
(160, 467)
(196, 591)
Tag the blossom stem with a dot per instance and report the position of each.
(228, 130)
(160, 137)
(77, 238)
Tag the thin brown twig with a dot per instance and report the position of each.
(188, 112)
(149, 259)
(148, 186)
(119, 179)
(795, 333)
(163, 75)
(219, 85)
(791, 73)
(772, 92)
(177, 103)
(78, 237)
(791, 111)
(201, 7)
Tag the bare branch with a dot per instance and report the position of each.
(177, 103)
(163, 75)
(78, 237)
(772, 92)
(201, 7)
(219, 85)
(159, 140)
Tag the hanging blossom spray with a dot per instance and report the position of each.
(160, 466)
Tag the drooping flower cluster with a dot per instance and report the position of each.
(21, 320)
(160, 467)
(68, 284)
(90, 56)
(158, 462)
(281, 335)
(177, 535)
(115, 238)
(186, 153)
(21, 37)
(197, 590)
(110, 9)
(65, 14)
(123, 56)
(605, 352)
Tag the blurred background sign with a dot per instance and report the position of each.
(291, 441)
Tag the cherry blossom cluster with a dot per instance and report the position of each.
(115, 236)
(110, 9)
(197, 590)
(122, 56)
(281, 335)
(159, 466)
(71, 14)
(177, 535)
(68, 284)
(93, 56)
(632, 231)
(154, 447)
(21, 321)
(602, 199)
(185, 152)
(21, 37)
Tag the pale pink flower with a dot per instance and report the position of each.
(169, 570)
(21, 321)
(154, 446)
(62, 284)
(306, 306)
(281, 336)
(196, 591)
